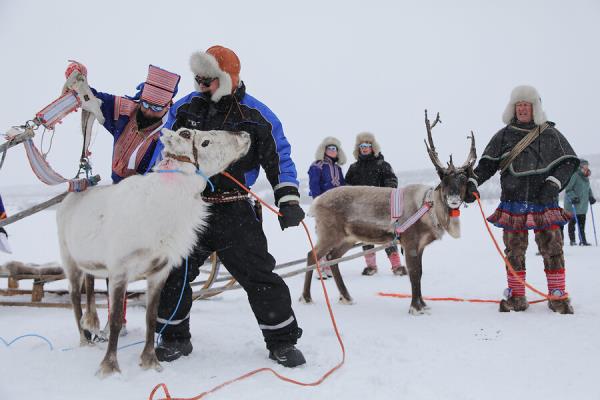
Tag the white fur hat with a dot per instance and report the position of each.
(217, 62)
(530, 95)
(330, 140)
(369, 138)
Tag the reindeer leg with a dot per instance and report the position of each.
(338, 252)
(90, 322)
(306, 297)
(415, 271)
(75, 280)
(155, 284)
(118, 286)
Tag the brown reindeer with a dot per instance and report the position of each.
(351, 214)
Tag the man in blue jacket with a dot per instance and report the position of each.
(233, 231)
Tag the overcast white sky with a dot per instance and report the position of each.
(324, 67)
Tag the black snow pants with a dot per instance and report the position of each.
(235, 233)
(581, 228)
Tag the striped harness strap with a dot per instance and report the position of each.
(46, 174)
(410, 221)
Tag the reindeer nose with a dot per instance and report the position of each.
(185, 134)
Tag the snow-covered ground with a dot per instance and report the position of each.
(458, 351)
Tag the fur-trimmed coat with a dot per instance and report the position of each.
(370, 170)
(548, 157)
(325, 173)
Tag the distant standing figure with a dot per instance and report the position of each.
(325, 174)
(578, 194)
(370, 169)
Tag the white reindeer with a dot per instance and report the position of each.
(140, 228)
(350, 214)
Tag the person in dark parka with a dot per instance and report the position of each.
(370, 169)
(233, 230)
(530, 183)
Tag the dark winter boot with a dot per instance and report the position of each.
(368, 271)
(171, 350)
(288, 356)
(514, 303)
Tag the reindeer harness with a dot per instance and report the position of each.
(397, 209)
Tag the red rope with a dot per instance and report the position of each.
(457, 299)
(259, 370)
(508, 264)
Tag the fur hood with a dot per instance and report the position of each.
(320, 153)
(206, 65)
(366, 137)
(530, 95)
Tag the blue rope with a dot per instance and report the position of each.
(8, 344)
(198, 172)
(177, 306)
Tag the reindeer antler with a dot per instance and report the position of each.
(433, 155)
(472, 157)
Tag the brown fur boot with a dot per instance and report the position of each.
(399, 270)
(514, 303)
(561, 306)
(368, 271)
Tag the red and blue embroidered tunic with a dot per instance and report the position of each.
(132, 148)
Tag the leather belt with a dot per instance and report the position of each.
(225, 197)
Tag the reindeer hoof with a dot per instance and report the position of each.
(90, 323)
(305, 300)
(149, 361)
(417, 311)
(347, 301)
(107, 369)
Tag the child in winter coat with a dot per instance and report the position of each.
(578, 195)
(370, 169)
(325, 174)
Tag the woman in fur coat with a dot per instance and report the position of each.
(370, 169)
(325, 174)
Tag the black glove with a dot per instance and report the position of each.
(291, 214)
(469, 197)
(574, 200)
(548, 193)
(3, 231)
(592, 200)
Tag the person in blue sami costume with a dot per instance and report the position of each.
(135, 122)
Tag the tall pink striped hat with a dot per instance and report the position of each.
(160, 86)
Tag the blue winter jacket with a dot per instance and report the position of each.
(270, 148)
(324, 175)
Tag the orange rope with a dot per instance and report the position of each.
(259, 370)
(508, 264)
(457, 299)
